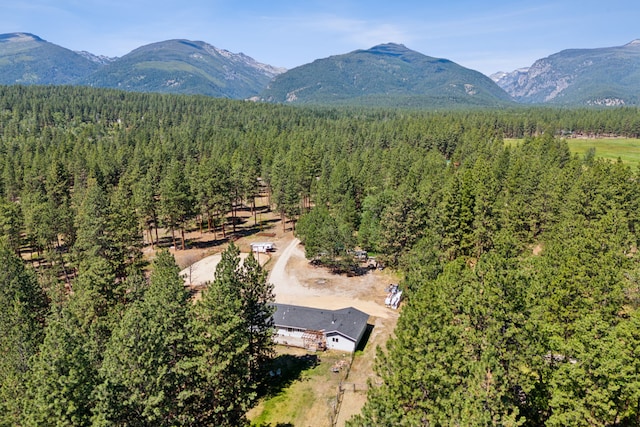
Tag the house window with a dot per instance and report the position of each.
(334, 339)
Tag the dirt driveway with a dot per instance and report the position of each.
(296, 281)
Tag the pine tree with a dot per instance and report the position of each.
(63, 375)
(11, 224)
(175, 200)
(141, 378)
(124, 231)
(220, 389)
(257, 310)
(91, 223)
(146, 207)
(23, 308)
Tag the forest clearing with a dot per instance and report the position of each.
(317, 396)
(625, 149)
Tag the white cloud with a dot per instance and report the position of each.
(359, 33)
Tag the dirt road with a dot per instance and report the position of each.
(282, 281)
(201, 272)
(297, 282)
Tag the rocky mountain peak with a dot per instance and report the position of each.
(600, 76)
(19, 37)
(98, 59)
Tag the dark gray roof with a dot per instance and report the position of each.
(349, 321)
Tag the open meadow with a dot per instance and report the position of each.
(626, 149)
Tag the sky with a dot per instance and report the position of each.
(486, 36)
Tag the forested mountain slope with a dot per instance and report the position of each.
(172, 66)
(385, 75)
(520, 261)
(187, 67)
(598, 77)
(27, 59)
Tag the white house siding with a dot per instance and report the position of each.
(289, 336)
(339, 342)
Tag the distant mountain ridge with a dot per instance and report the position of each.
(602, 76)
(385, 75)
(172, 66)
(184, 66)
(27, 59)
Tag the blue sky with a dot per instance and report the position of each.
(487, 36)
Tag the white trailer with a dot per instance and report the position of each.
(263, 247)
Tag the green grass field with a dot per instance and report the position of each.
(627, 149)
(308, 395)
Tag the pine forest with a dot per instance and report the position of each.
(519, 259)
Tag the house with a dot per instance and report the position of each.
(263, 247)
(319, 329)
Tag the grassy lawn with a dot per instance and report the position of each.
(304, 393)
(627, 149)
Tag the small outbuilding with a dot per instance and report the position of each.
(319, 329)
(263, 247)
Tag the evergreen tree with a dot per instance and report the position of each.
(141, 378)
(23, 308)
(144, 202)
(175, 200)
(11, 224)
(257, 310)
(124, 231)
(91, 223)
(323, 236)
(220, 389)
(63, 374)
(38, 217)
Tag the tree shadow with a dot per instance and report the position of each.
(341, 267)
(273, 425)
(245, 231)
(283, 370)
(199, 244)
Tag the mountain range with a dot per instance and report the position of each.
(173, 66)
(384, 75)
(603, 76)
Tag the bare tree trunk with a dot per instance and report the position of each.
(269, 196)
(182, 237)
(173, 236)
(255, 213)
(234, 211)
(64, 270)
